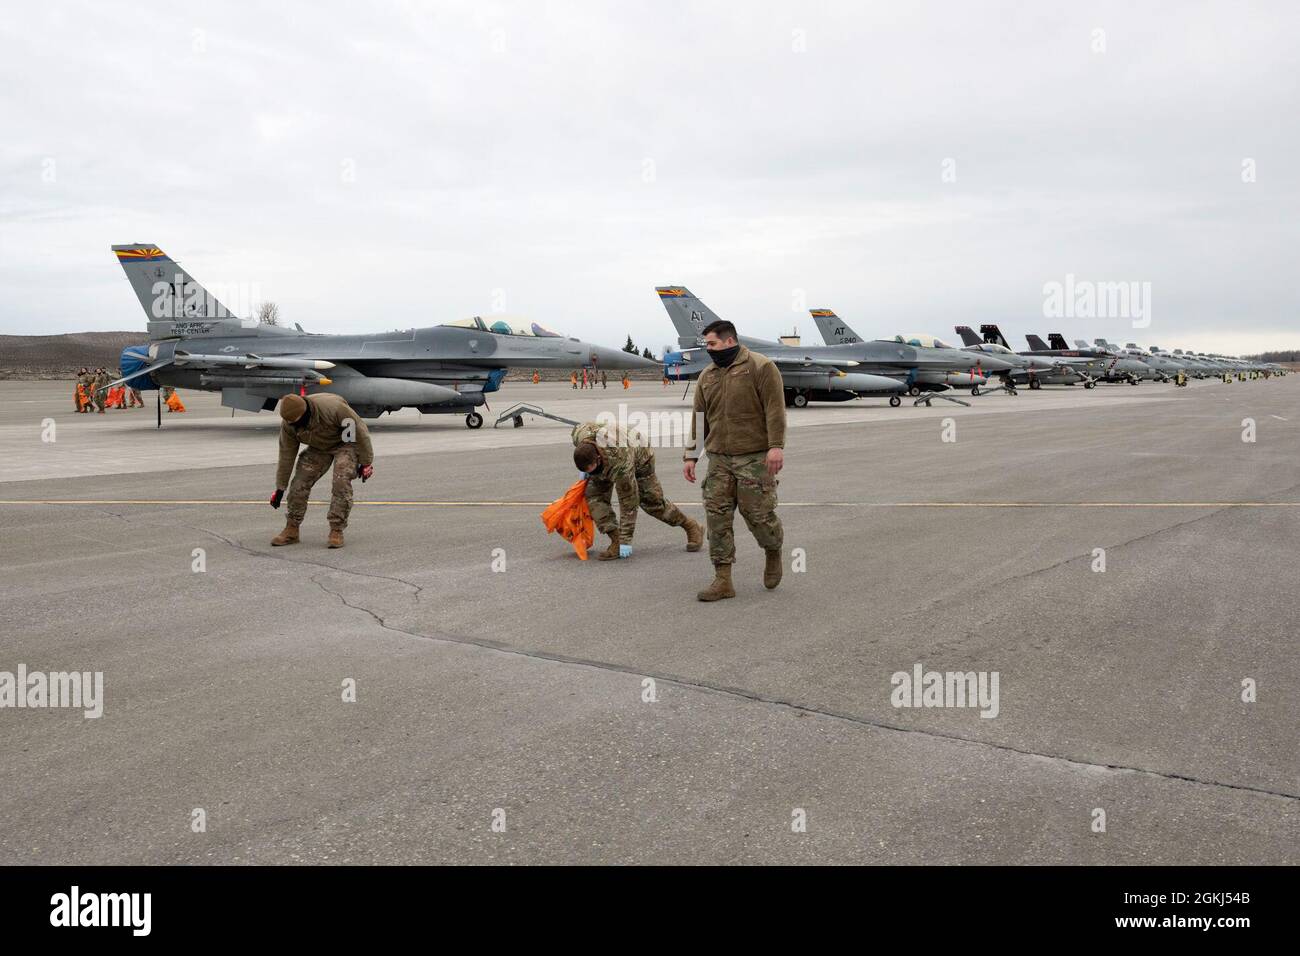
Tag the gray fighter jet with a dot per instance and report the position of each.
(1101, 365)
(1031, 370)
(195, 342)
(835, 331)
(827, 373)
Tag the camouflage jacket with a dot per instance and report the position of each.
(324, 432)
(623, 451)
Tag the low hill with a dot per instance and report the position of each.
(60, 356)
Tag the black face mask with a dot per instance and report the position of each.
(724, 357)
(306, 417)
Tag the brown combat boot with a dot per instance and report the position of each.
(336, 538)
(288, 536)
(721, 586)
(610, 553)
(772, 570)
(694, 534)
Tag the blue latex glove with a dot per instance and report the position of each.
(625, 551)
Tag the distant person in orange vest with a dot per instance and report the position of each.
(81, 394)
(573, 379)
(536, 377)
(627, 382)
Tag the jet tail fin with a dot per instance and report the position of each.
(174, 303)
(688, 314)
(1057, 340)
(1035, 343)
(834, 330)
(968, 336)
(994, 335)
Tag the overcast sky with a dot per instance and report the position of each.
(913, 166)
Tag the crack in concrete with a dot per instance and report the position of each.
(755, 697)
(240, 546)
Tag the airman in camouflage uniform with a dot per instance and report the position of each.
(617, 460)
(336, 439)
(741, 399)
(100, 389)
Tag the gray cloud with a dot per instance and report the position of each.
(796, 157)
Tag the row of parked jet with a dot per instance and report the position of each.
(848, 366)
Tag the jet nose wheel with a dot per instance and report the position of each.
(1089, 384)
(800, 400)
(895, 401)
(975, 390)
(474, 420)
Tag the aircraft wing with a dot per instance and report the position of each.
(144, 371)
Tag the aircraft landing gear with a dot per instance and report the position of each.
(1089, 384)
(975, 390)
(1035, 384)
(800, 400)
(895, 401)
(914, 391)
(475, 420)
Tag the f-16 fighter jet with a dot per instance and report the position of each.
(195, 342)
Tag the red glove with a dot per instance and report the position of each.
(364, 472)
(275, 498)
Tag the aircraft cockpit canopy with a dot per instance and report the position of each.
(923, 342)
(501, 326)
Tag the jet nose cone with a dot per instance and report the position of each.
(608, 358)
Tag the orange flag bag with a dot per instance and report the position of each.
(571, 518)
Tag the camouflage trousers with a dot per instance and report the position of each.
(740, 480)
(311, 465)
(599, 494)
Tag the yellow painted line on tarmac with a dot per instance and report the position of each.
(783, 504)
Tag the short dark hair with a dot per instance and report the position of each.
(586, 455)
(721, 328)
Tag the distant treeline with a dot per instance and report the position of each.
(1287, 355)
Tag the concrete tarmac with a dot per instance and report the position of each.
(559, 711)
